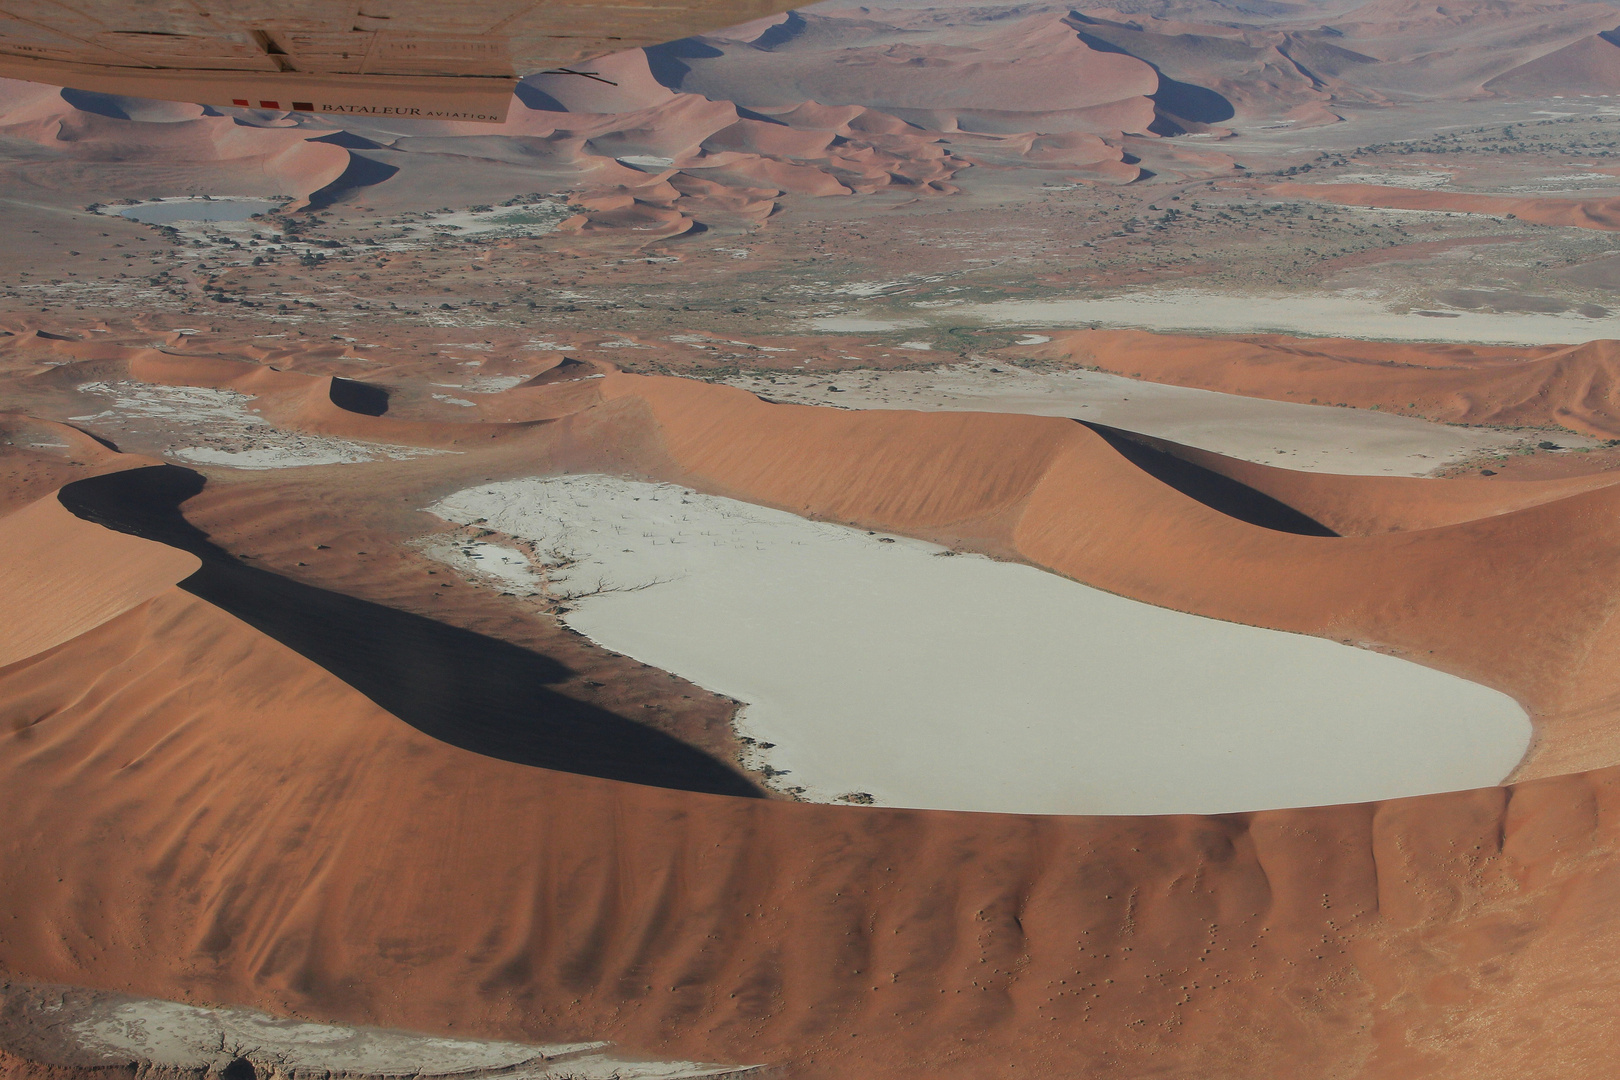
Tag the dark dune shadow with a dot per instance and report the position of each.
(361, 172)
(91, 102)
(750, 114)
(1182, 100)
(788, 30)
(1211, 488)
(465, 689)
(348, 140)
(537, 99)
(1187, 101)
(666, 62)
(358, 397)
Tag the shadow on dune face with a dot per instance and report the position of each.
(1183, 101)
(360, 172)
(1188, 101)
(91, 102)
(471, 691)
(537, 99)
(1211, 488)
(666, 61)
(358, 397)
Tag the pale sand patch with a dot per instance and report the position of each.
(188, 209)
(230, 433)
(877, 665)
(491, 384)
(860, 324)
(1337, 315)
(1307, 437)
(500, 563)
(61, 577)
(1422, 180)
(160, 1035)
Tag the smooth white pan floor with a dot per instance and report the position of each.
(879, 665)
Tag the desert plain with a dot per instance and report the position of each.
(904, 541)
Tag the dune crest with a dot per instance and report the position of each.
(63, 576)
(1572, 386)
(247, 805)
(220, 154)
(1068, 501)
(280, 737)
(254, 848)
(1075, 500)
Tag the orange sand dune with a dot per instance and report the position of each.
(38, 456)
(536, 400)
(1588, 66)
(1370, 505)
(1577, 213)
(912, 90)
(231, 158)
(230, 822)
(1496, 596)
(569, 386)
(652, 161)
(1409, 575)
(34, 341)
(1032, 64)
(62, 576)
(327, 405)
(1572, 386)
(20, 429)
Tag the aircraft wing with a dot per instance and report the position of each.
(432, 59)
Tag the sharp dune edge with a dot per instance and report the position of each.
(1572, 386)
(178, 143)
(724, 129)
(1054, 493)
(258, 748)
(62, 577)
(328, 405)
(248, 809)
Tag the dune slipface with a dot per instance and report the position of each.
(875, 667)
(787, 931)
(1251, 713)
(837, 939)
(63, 577)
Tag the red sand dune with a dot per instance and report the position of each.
(226, 819)
(182, 147)
(921, 95)
(1065, 499)
(1033, 64)
(231, 822)
(1589, 66)
(1577, 213)
(718, 165)
(1572, 386)
(1370, 505)
(1407, 577)
(326, 405)
(634, 86)
(62, 577)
